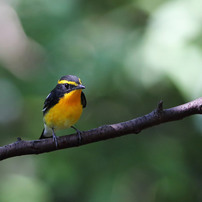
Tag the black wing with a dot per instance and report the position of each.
(52, 99)
(83, 100)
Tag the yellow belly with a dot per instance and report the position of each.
(66, 112)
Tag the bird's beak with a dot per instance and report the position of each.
(80, 87)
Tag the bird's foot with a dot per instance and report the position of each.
(78, 135)
(55, 140)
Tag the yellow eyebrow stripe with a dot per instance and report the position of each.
(68, 82)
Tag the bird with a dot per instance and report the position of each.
(63, 107)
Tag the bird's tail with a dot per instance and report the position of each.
(46, 133)
(42, 135)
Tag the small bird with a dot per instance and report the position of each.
(63, 107)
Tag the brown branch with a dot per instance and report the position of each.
(136, 125)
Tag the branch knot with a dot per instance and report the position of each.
(159, 109)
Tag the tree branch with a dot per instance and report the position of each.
(156, 117)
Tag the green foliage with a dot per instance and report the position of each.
(129, 55)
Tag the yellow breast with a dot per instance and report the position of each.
(66, 112)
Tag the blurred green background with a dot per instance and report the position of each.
(129, 54)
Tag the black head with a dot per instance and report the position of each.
(70, 78)
(70, 82)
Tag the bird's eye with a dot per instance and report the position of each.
(67, 85)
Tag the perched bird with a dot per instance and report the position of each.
(63, 106)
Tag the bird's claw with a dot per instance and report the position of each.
(78, 135)
(55, 140)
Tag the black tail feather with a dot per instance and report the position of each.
(42, 136)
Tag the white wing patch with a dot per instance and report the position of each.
(44, 109)
(48, 95)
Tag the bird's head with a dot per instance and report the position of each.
(70, 83)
